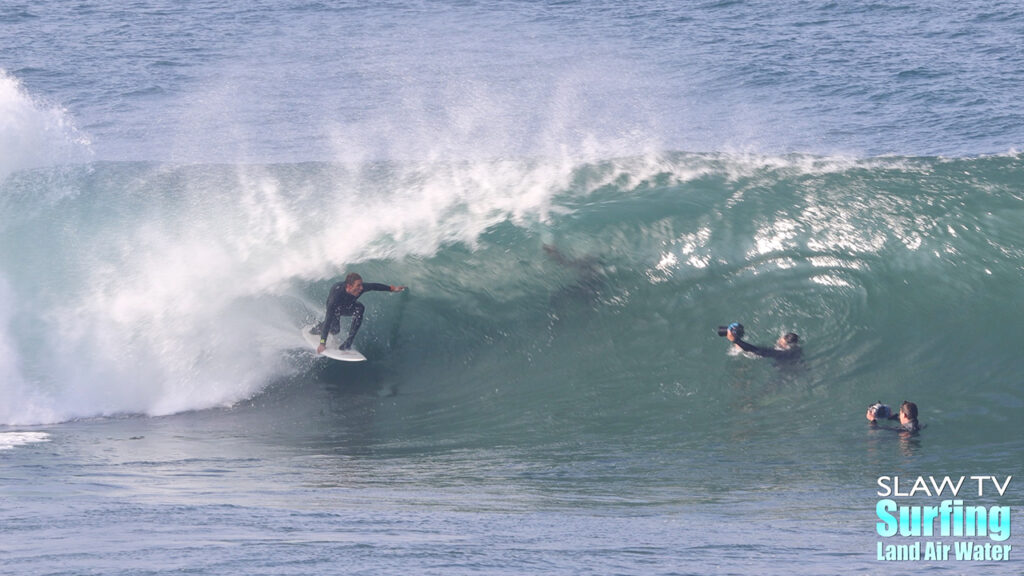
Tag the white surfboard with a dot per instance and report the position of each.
(350, 355)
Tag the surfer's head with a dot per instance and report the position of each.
(354, 284)
(787, 340)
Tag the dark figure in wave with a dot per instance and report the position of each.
(590, 275)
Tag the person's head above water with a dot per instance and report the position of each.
(787, 341)
(908, 415)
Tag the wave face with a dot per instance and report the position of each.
(155, 288)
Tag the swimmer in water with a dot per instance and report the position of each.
(787, 347)
(907, 415)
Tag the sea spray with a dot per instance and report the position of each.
(33, 133)
(171, 278)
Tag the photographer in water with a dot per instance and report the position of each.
(907, 415)
(786, 347)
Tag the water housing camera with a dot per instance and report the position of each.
(735, 327)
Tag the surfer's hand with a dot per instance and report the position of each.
(397, 288)
(320, 349)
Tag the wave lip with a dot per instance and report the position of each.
(34, 134)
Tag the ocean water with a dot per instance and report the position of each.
(181, 184)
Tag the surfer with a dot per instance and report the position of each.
(589, 269)
(786, 347)
(342, 302)
(907, 415)
(582, 264)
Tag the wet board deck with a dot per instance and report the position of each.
(332, 352)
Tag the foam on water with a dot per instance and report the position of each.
(11, 440)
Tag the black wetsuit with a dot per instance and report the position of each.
(341, 303)
(912, 426)
(788, 354)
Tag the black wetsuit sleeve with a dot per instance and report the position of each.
(375, 287)
(790, 354)
(748, 347)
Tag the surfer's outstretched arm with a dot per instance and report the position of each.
(374, 287)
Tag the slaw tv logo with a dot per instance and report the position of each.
(977, 532)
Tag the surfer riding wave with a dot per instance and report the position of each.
(342, 301)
